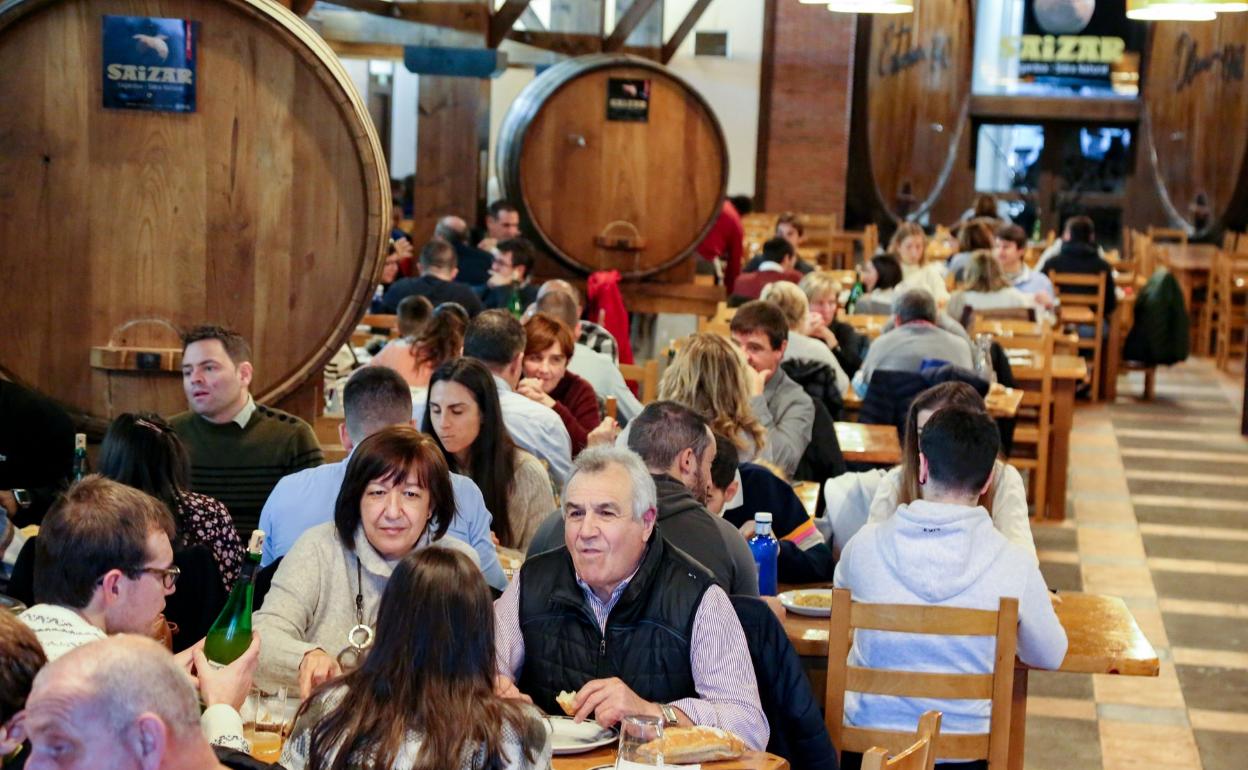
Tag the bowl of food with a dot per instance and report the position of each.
(815, 602)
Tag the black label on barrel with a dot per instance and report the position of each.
(149, 63)
(628, 99)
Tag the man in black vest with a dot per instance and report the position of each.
(629, 623)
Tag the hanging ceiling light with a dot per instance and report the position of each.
(1226, 6)
(1172, 10)
(869, 6)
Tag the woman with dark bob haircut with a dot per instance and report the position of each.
(424, 696)
(466, 422)
(319, 617)
(142, 451)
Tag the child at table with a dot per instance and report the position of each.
(942, 549)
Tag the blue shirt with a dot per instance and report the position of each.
(302, 500)
(1031, 281)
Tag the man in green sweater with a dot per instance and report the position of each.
(238, 448)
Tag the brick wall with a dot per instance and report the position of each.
(807, 79)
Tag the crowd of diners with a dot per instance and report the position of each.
(480, 433)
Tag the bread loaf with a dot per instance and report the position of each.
(565, 700)
(688, 745)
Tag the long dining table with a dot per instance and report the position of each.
(605, 758)
(1102, 635)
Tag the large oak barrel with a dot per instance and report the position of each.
(265, 209)
(615, 164)
(911, 105)
(1196, 111)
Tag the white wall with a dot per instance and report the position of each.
(731, 85)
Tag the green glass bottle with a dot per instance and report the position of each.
(515, 305)
(230, 635)
(80, 456)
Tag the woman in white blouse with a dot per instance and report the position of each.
(910, 245)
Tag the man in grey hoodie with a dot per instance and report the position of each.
(943, 550)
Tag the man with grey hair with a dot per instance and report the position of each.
(122, 702)
(602, 373)
(620, 617)
(678, 447)
(590, 334)
(915, 339)
(474, 263)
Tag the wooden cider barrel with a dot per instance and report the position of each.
(912, 105)
(265, 209)
(1196, 108)
(613, 181)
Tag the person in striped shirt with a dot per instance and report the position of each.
(626, 621)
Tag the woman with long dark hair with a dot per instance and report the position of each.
(142, 451)
(464, 418)
(424, 696)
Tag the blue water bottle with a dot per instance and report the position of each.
(765, 549)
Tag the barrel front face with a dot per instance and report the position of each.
(918, 98)
(1196, 106)
(601, 188)
(263, 210)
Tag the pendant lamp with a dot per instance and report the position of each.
(1172, 10)
(870, 6)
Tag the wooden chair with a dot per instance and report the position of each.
(1034, 422)
(849, 617)
(1072, 291)
(1231, 277)
(920, 756)
(382, 323)
(647, 378)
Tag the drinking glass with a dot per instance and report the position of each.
(266, 722)
(636, 731)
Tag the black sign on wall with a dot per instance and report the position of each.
(1073, 42)
(628, 99)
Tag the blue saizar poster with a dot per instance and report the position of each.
(150, 63)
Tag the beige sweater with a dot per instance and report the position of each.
(311, 603)
(530, 499)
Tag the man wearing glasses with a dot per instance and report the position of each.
(104, 565)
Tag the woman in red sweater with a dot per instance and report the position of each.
(548, 382)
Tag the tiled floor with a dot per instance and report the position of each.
(1159, 516)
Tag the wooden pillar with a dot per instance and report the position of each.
(804, 110)
(452, 139)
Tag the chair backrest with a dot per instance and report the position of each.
(647, 378)
(1038, 398)
(997, 686)
(920, 756)
(972, 316)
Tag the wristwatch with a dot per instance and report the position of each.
(670, 719)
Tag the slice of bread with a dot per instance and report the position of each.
(689, 745)
(565, 700)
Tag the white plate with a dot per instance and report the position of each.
(788, 599)
(568, 737)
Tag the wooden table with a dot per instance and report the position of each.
(1191, 267)
(870, 325)
(1002, 403)
(873, 444)
(753, 760)
(1103, 638)
(1068, 372)
(670, 297)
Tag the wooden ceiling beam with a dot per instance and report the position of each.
(682, 31)
(504, 19)
(626, 24)
(465, 17)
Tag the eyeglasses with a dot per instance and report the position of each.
(167, 576)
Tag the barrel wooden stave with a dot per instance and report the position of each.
(1196, 108)
(667, 176)
(265, 210)
(917, 110)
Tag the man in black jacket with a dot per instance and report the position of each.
(1079, 255)
(623, 620)
(438, 268)
(677, 446)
